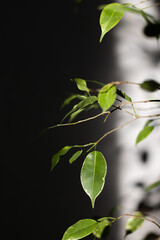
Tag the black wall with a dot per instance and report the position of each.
(43, 45)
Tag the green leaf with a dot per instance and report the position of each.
(101, 227)
(134, 223)
(150, 85)
(110, 17)
(81, 84)
(107, 96)
(144, 133)
(80, 229)
(153, 185)
(75, 156)
(72, 97)
(123, 95)
(81, 105)
(93, 174)
(56, 157)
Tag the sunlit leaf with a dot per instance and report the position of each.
(145, 132)
(81, 84)
(93, 174)
(110, 17)
(81, 105)
(80, 229)
(107, 96)
(150, 85)
(56, 157)
(101, 227)
(134, 223)
(75, 156)
(72, 97)
(153, 185)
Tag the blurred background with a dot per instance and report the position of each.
(43, 45)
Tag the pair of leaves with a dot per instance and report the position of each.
(113, 13)
(145, 132)
(62, 152)
(82, 105)
(85, 227)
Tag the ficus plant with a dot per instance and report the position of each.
(106, 98)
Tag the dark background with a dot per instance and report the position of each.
(43, 45)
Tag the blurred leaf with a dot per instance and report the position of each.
(93, 174)
(107, 96)
(145, 132)
(110, 17)
(72, 97)
(101, 226)
(81, 84)
(56, 157)
(134, 223)
(152, 30)
(150, 85)
(75, 156)
(153, 185)
(81, 105)
(80, 229)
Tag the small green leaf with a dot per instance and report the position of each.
(75, 156)
(134, 223)
(153, 185)
(72, 97)
(93, 174)
(110, 17)
(123, 95)
(56, 157)
(81, 105)
(150, 85)
(81, 84)
(101, 228)
(107, 96)
(144, 133)
(80, 229)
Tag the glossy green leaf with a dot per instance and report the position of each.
(56, 157)
(80, 229)
(107, 96)
(144, 133)
(101, 227)
(81, 84)
(71, 98)
(153, 185)
(81, 105)
(93, 174)
(110, 17)
(75, 156)
(134, 223)
(150, 85)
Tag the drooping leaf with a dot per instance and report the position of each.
(56, 157)
(134, 223)
(75, 156)
(107, 96)
(72, 97)
(93, 174)
(153, 185)
(150, 85)
(101, 228)
(81, 84)
(80, 229)
(144, 133)
(110, 17)
(81, 105)
(123, 95)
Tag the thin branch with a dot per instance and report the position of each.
(156, 4)
(125, 82)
